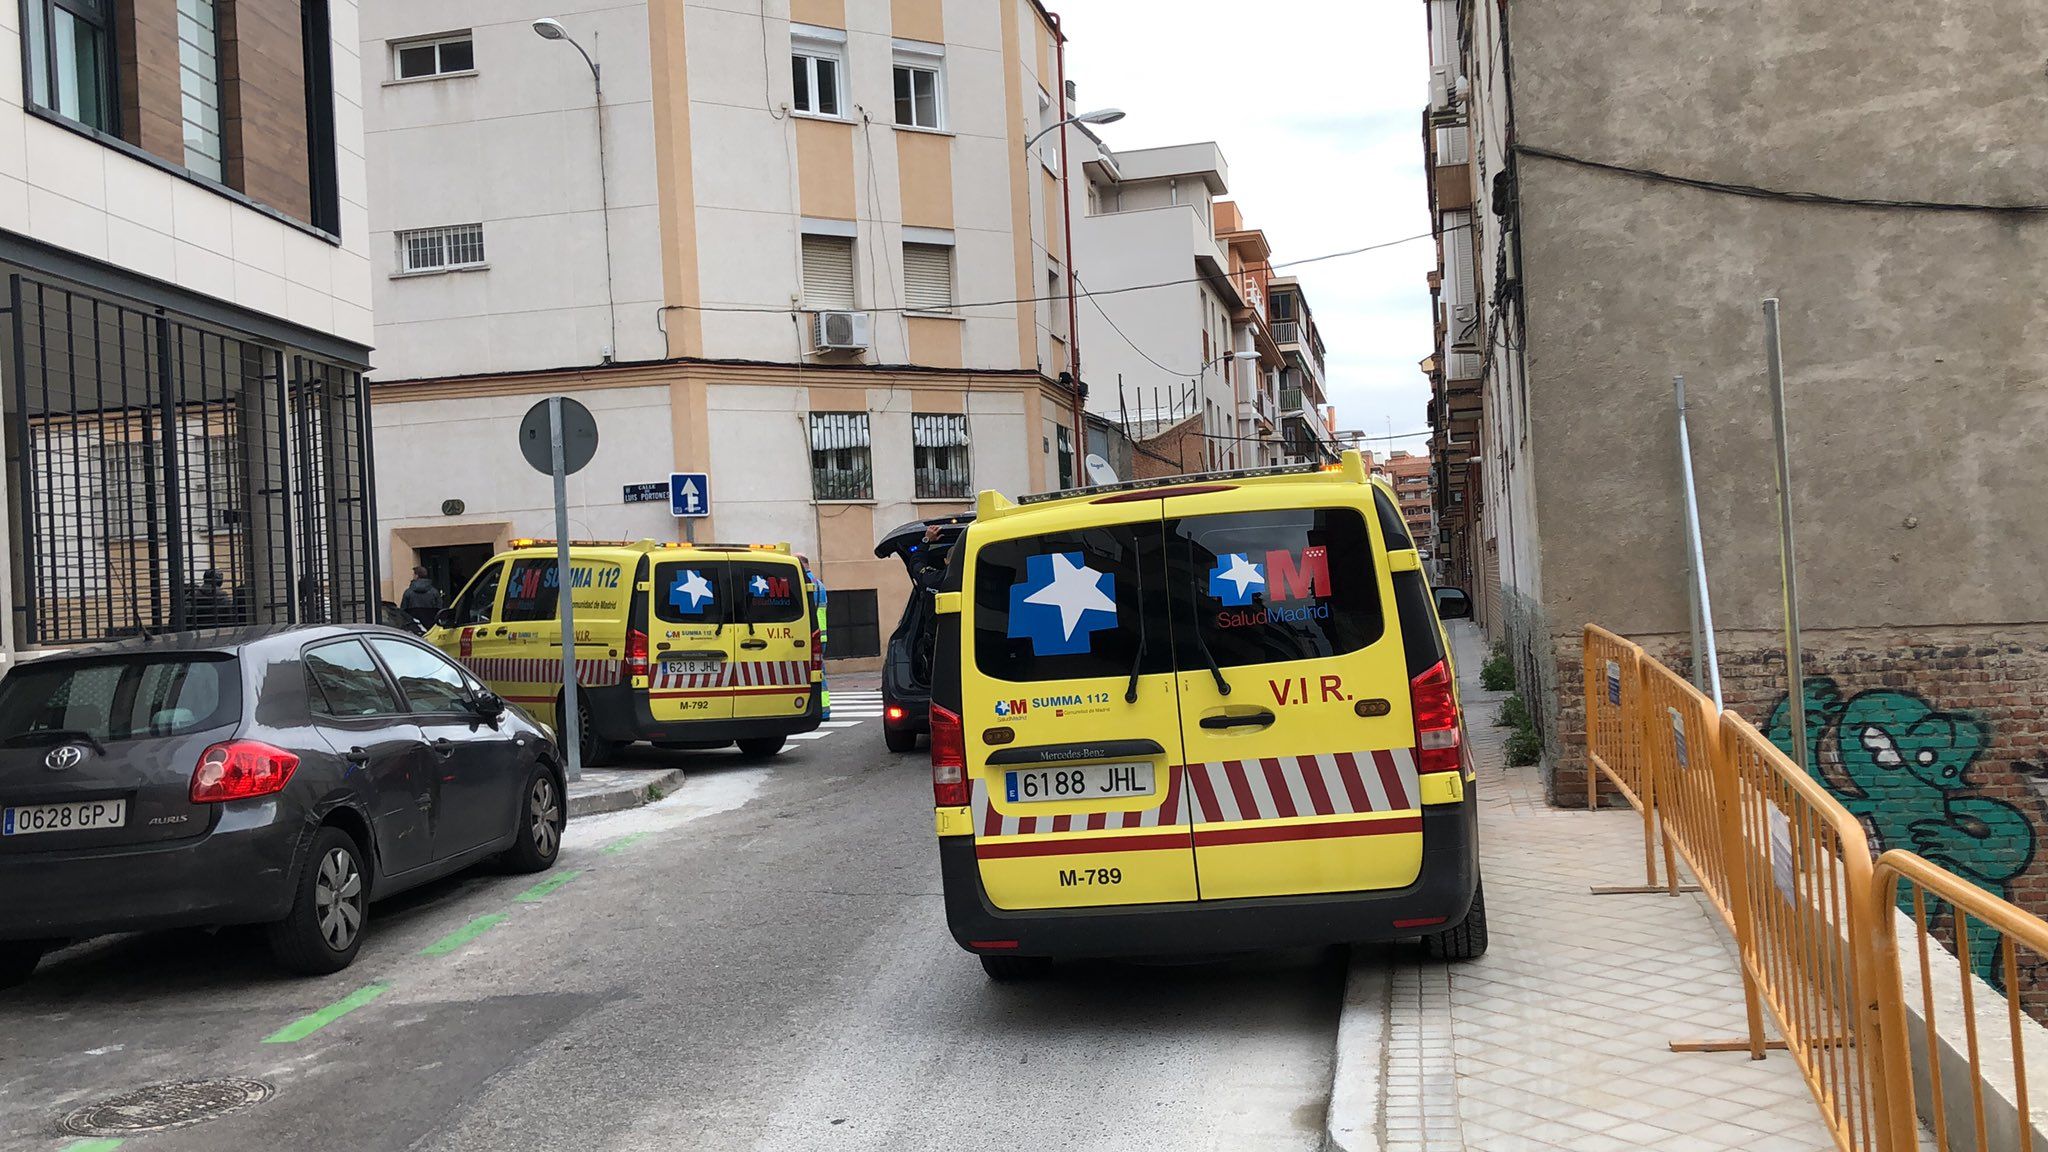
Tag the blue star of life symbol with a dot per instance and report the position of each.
(1061, 604)
(690, 592)
(1234, 579)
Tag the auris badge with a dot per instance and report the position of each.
(63, 758)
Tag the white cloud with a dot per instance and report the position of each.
(1317, 105)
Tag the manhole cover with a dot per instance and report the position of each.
(162, 1106)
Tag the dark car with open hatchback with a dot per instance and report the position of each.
(277, 776)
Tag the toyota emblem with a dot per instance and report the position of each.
(65, 757)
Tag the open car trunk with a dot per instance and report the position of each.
(907, 671)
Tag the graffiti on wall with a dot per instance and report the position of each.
(1903, 766)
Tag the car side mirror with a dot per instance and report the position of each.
(445, 618)
(487, 704)
(1453, 604)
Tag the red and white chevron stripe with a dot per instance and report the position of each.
(1327, 784)
(1230, 791)
(541, 670)
(990, 822)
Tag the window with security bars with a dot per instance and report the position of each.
(928, 277)
(199, 84)
(939, 455)
(841, 463)
(828, 272)
(441, 249)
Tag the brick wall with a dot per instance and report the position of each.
(1171, 453)
(263, 107)
(1937, 739)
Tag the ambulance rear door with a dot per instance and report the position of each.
(1071, 725)
(691, 640)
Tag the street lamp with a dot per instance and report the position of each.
(1099, 116)
(549, 28)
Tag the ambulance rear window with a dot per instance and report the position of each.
(1274, 586)
(692, 592)
(767, 593)
(1072, 605)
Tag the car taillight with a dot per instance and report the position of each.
(949, 760)
(1436, 720)
(240, 769)
(817, 651)
(636, 653)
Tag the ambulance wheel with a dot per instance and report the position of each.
(761, 747)
(1466, 940)
(596, 750)
(899, 741)
(1012, 969)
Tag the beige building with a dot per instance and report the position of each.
(797, 269)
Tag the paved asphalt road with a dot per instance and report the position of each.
(757, 962)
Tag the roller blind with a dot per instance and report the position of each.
(928, 277)
(828, 271)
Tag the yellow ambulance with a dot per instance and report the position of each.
(1199, 715)
(683, 645)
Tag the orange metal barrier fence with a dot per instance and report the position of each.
(1613, 738)
(1790, 871)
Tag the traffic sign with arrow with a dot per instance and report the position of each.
(689, 494)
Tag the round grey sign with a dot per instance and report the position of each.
(579, 437)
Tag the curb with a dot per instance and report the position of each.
(621, 797)
(1358, 1080)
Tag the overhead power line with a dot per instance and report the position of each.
(1788, 196)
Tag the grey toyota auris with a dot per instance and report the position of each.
(277, 776)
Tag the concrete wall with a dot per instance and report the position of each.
(514, 146)
(1914, 362)
(73, 192)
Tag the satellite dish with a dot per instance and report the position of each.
(1099, 471)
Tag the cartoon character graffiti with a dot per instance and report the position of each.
(1904, 769)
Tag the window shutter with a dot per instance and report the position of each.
(828, 271)
(928, 277)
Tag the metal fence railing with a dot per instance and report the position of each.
(1898, 986)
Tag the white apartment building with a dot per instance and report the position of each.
(184, 316)
(797, 268)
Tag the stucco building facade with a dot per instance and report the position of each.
(862, 164)
(1643, 177)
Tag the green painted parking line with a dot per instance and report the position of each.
(624, 842)
(305, 1026)
(93, 1145)
(463, 935)
(539, 891)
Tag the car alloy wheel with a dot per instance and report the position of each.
(544, 818)
(338, 899)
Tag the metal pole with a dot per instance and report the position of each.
(1702, 618)
(572, 723)
(1788, 566)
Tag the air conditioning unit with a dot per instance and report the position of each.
(1442, 86)
(842, 332)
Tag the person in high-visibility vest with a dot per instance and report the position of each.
(818, 606)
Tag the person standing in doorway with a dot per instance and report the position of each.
(421, 601)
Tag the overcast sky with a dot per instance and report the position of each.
(1317, 105)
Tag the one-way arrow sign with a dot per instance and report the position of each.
(689, 494)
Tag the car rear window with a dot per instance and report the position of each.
(1277, 585)
(1072, 605)
(692, 592)
(119, 698)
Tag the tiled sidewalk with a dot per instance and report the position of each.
(1557, 1038)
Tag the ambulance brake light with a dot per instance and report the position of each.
(636, 653)
(949, 760)
(1437, 736)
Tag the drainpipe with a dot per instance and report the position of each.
(1073, 302)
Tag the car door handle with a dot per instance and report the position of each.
(443, 746)
(360, 757)
(1258, 719)
(752, 645)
